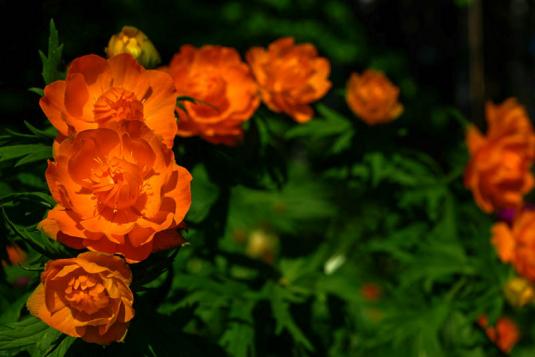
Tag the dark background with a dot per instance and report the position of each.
(428, 38)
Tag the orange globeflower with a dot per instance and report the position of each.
(373, 98)
(87, 297)
(516, 244)
(498, 173)
(290, 77)
(505, 334)
(97, 91)
(223, 87)
(118, 190)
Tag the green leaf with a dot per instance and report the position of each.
(330, 124)
(40, 197)
(52, 59)
(25, 153)
(238, 338)
(62, 347)
(37, 239)
(22, 335)
(38, 91)
(280, 299)
(49, 132)
(12, 313)
(203, 193)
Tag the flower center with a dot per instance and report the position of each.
(117, 184)
(117, 104)
(86, 294)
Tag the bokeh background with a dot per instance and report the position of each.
(460, 51)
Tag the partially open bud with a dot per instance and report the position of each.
(135, 42)
(262, 245)
(519, 292)
(15, 255)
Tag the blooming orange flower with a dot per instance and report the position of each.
(373, 98)
(505, 334)
(87, 297)
(516, 244)
(290, 77)
(118, 190)
(224, 89)
(133, 41)
(498, 173)
(97, 91)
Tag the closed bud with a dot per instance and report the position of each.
(135, 42)
(262, 245)
(519, 292)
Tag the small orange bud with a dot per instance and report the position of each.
(371, 291)
(135, 42)
(15, 254)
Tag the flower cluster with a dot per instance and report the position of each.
(499, 176)
(119, 192)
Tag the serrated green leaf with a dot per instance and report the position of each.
(238, 338)
(280, 299)
(52, 59)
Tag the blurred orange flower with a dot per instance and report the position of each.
(371, 291)
(373, 98)
(290, 76)
(505, 334)
(118, 190)
(97, 91)
(15, 254)
(87, 297)
(498, 173)
(223, 87)
(516, 244)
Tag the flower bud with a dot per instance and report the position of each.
(262, 246)
(135, 42)
(519, 292)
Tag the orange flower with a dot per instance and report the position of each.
(516, 245)
(290, 77)
(223, 87)
(87, 297)
(505, 334)
(498, 173)
(98, 91)
(373, 98)
(15, 254)
(118, 190)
